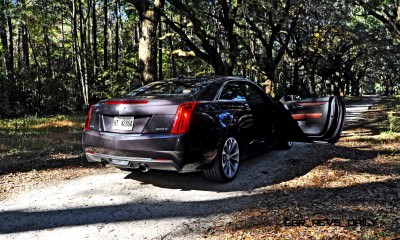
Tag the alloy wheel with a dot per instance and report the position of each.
(230, 157)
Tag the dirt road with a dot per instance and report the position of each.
(156, 205)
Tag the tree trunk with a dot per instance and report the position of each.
(4, 85)
(228, 21)
(83, 58)
(64, 54)
(25, 41)
(172, 56)
(105, 28)
(355, 87)
(149, 18)
(10, 62)
(160, 56)
(9, 85)
(94, 41)
(77, 58)
(50, 73)
(19, 54)
(116, 54)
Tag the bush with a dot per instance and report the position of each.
(394, 121)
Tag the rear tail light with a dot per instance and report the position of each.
(182, 118)
(89, 115)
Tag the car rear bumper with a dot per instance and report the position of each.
(135, 151)
(133, 162)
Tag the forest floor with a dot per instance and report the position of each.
(354, 194)
(350, 190)
(35, 152)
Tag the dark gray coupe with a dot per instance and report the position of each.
(203, 124)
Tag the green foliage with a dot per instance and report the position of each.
(327, 46)
(394, 120)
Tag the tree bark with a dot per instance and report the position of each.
(149, 19)
(25, 40)
(4, 43)
(64, 53)
(50, 73)
(83, 54)
(160, 55)
(10, 57)
(116, 54)
(77, 58)
(94, 41)
(105, 28)
(172, 57)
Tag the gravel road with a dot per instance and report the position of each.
(156, 205)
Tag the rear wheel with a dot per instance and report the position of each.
(226, 163)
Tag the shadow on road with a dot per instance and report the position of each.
(267, 169)
(270, 168)
(310, 201)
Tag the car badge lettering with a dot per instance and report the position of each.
(120, 108)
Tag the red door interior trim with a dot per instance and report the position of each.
(305, 116)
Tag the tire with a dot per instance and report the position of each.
(226, 164)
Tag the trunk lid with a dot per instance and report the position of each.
(134, 116)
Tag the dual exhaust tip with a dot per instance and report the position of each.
(142, 166)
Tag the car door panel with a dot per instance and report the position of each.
(262, 112)
(319, 119)
(232, 99)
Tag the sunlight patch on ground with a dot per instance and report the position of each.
(357, 132)
(330, 175)
(56, 124)
(63, 156)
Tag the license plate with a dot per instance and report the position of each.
(123, 123)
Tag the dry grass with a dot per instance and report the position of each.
(40, 151)
(58, 124)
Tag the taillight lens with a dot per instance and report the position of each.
(182, 118)
(89, 115)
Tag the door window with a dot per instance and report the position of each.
(253, 96)
(233, 91)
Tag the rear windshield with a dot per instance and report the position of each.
(170, 88)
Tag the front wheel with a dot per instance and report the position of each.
(226, 164)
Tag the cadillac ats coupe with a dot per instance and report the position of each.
(203, 124)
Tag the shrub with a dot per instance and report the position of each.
(394, 121)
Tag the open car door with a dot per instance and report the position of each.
(314, 119)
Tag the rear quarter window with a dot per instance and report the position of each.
(209, 92)
(170, 88)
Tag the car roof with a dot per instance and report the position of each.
(219, 79)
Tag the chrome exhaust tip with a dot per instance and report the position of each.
(105, 162)
(143, 168)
